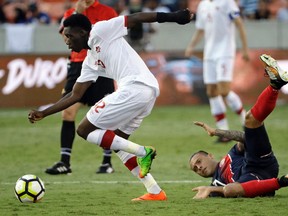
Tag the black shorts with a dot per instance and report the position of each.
(95, 92)
(259, 156)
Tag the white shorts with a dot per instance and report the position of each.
(124, 109)
(215, 71)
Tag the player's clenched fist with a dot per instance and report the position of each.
(34, 116)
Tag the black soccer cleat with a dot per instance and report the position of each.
(59, 168)
(105, 169)
(283, 181)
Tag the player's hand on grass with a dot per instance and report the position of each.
(207, 128)
(202, 192)
(35, 115)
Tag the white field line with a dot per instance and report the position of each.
(116, 182)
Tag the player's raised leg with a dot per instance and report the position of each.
(278, 77)
(154, 192)
(109, 140)
(266, 101)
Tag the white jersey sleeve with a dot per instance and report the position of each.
(216, 18)
(233, 9)
(87, 73)
(200, 19)
(111, 56)
(110, 29)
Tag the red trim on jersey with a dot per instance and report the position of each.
(125, 21)
(260, 187)
(131, 163)
(226, 169)
(107, 139)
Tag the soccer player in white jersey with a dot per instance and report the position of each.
(216, 21)
(111, 121)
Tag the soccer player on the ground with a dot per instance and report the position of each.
(250, 168)
(95, 12)
(111, 121)
(216, 21)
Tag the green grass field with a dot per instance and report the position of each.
(30, 148)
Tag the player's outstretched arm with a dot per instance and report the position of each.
(73, 97)
(181, 17)
(230, 190)
(229, 134)
(206, 127)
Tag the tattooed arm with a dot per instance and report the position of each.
(229, 134)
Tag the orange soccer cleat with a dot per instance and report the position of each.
(152, 197)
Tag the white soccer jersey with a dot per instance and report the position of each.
(216, 17)
(111, 56)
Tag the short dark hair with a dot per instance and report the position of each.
(78, 20)
(198, 152)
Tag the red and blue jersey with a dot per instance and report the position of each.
(241, 167)
(257, 162)
(229, 168)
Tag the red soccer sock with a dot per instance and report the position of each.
(219, 117)
(239, 111)
(265, 104)
(260, 187)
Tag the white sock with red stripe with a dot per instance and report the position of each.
(235, 104)
(218, 111)
(130, 162)
(109, 140)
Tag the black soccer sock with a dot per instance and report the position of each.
(107, 156)
(67, 139)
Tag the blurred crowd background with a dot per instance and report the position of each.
(49, 12)
(33, 55)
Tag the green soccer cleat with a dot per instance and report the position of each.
(146, 161)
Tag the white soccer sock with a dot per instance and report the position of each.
(222, 124)
(235, 104)
(217, 107)
(117, 143)
(148, 181)
(234, 101)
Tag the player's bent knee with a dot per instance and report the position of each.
(82, 132)
(250, 121)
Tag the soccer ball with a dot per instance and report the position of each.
(29, 189)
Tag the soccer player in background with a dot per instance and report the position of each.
(95, 12)
(250, 168)
(111, 121)
(216, 21)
